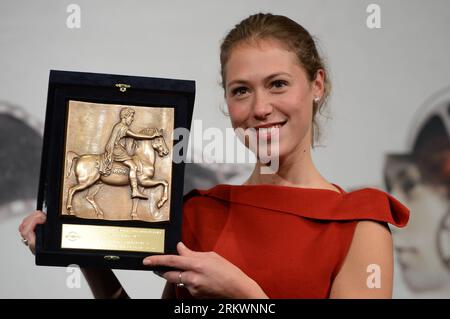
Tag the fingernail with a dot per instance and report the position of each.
(181, 244)
(146, 261)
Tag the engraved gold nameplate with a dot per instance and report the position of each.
(112, 238)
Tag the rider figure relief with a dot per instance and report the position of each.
(116, 151)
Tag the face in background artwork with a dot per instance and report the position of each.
(20, 155)
(421, 180)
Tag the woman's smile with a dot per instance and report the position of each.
(269, 131)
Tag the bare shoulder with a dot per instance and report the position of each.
(367, 271)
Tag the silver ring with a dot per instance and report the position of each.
(24, 241)
(180, 283)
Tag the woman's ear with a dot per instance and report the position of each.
(318, 84)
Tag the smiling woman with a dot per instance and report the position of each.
(291, 233)
(286, 234)
(285, 53)
(267, 88)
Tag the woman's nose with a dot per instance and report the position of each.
(262, 107)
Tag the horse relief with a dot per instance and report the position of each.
(125, 166)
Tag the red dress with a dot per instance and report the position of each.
(292, 241)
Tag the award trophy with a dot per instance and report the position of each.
(109, 185)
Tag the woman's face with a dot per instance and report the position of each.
(417, 245)
(265, 86)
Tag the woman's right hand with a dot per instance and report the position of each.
(103, 282)
(28, 226)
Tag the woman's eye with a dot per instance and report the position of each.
(239, 91)
(278, 84)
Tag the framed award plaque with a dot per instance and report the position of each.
(111, 180)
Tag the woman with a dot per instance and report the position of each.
(288, 234)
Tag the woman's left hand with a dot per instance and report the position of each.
(206, 274)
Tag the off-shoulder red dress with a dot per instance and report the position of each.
(292, 241)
